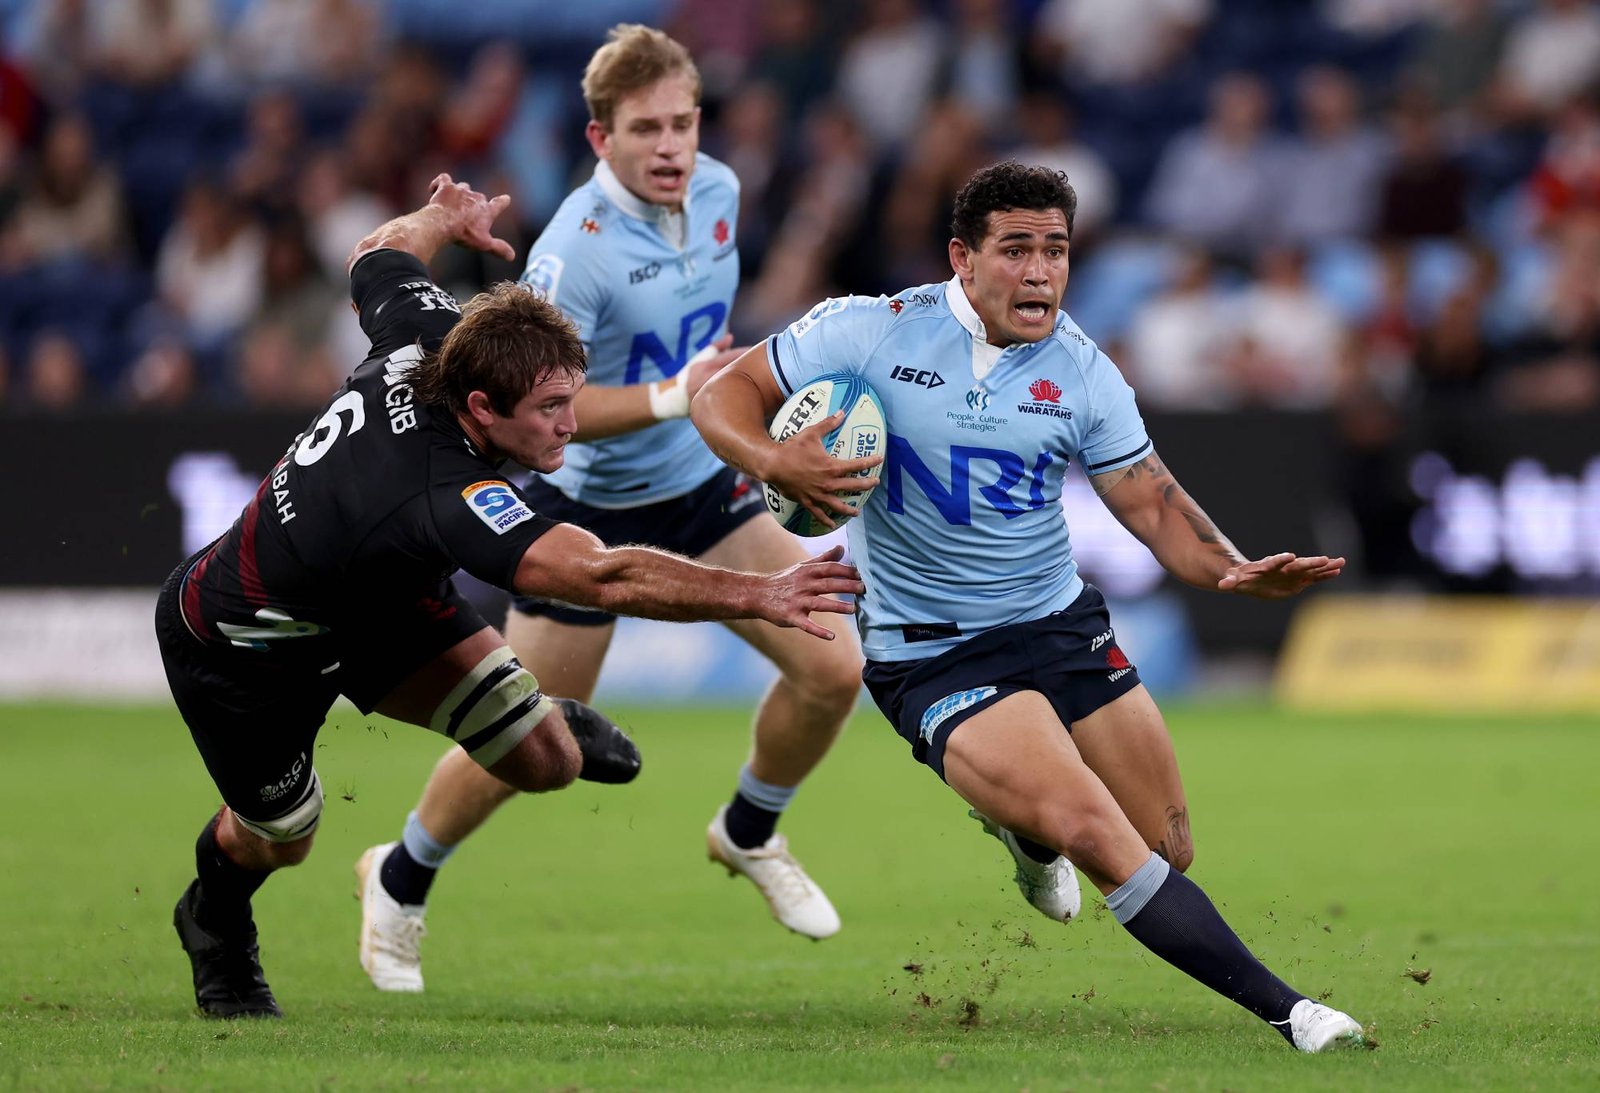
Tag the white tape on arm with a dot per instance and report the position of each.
(670, 398)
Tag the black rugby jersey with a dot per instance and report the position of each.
(375, 503)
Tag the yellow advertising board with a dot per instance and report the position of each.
(1442, 653)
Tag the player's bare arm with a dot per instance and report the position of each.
(1149, 502)
(605, 410)
(732, 411)
(455, 213)
(570, 564)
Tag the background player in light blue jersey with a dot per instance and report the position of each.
(985, 649)
(643, 259)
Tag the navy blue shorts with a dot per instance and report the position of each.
(1070, 657)
(690, 525)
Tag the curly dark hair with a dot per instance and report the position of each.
(507, 343)
(1005, 186)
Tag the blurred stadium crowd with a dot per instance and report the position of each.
(1360, 206)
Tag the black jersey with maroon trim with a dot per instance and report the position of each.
(379, 500)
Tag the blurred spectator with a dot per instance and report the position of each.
(1550, 55)
(984, 67)
(1567, 179)
(337, 214)
(723, 35)
(1557, 363)
(1375, 17)
(149, 43)
(1457, 56)
(57, 46)
(1219, 185)
(1453, 360)
(19, 107)
(752, 144)
(301, 44)
(1424, 191)
(295, 294)
(272, 371)
(209, 269)
(1178, 342)
(1290, 339)
(1045, 123)
(164, 376)
(477, 114)
(263, 172)
(5, 376)
(889, 72)
(1332, 167)
(916, 219)
(795, 57)
(1124, 42)
(56, 375)
(72, 207)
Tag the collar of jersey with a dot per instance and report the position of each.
(669, 222)
(984, 355)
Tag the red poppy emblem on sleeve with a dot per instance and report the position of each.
(720, 232)
(1044, 391)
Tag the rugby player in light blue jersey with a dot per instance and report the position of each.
(985, 648)
(643, 259)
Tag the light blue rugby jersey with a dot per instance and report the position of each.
(648, 288)
(965, 531)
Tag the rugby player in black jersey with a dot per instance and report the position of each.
(336, 578)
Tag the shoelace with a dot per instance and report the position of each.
(788, 875)
(402, 937)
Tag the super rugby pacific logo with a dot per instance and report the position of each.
(497, 505)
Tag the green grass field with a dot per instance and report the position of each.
(1433, 877)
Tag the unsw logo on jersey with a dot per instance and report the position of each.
(496, 504)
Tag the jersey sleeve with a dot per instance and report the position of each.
(1115, 436)
(398, 302)
(485, 525)
(837, 335)
(573, 285)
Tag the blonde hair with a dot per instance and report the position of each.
(634, 57)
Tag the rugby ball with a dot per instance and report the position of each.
(860, 435)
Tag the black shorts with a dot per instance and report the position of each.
(690, 525)
(1070, 657)
(254, 715)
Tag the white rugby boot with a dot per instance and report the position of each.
(1314, 1027)
(391, 932)
(1052, 887)
(794, 898)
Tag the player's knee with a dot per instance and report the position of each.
(283, 855)
(833, 683)
(546, 758)
(1082, 834)
(501, 718)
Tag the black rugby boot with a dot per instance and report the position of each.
(609, 756)
(227, 970)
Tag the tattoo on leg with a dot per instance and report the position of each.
(1176, 845)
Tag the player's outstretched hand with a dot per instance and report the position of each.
(475, 215)
(803, 471)
(1280, 575)
(788, 597)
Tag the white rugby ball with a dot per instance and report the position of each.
(860, 435)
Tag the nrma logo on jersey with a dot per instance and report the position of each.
(1007, 468)
(696, 330)
(496, 504)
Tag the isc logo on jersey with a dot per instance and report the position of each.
(497, 505)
